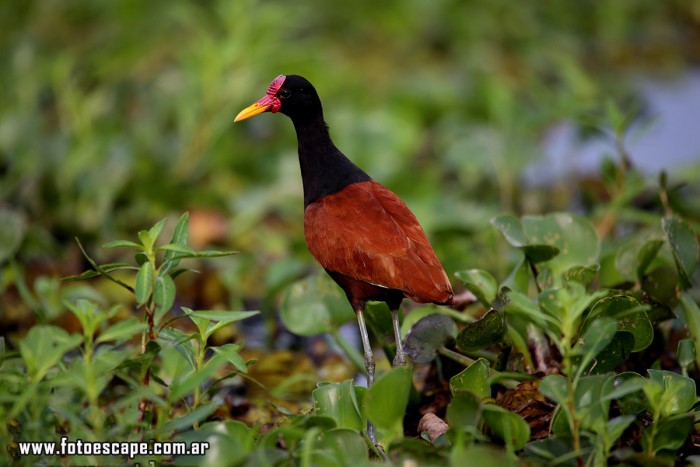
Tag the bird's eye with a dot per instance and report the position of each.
(285, 93)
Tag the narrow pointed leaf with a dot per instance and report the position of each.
(144, 283)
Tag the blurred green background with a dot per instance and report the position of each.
(114, 114)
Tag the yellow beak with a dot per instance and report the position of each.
(251, 111)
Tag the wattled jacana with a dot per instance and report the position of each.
(362, 234)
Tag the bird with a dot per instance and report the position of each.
(363, 235)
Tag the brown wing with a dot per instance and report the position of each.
(366, 232)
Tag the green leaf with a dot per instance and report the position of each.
(230, 353)
(511, 228)
(487, 331)
(678, 394)
(596, 338)
(123, 244)
(616, 426)
(176, 249)
(43, 347)
(188, 421)
(464, 411)
(144, 283)
(229, 443)
(12, 231)
(179, 238)
(339, 401)
(522, 305)
(313, 306)
(614, 354)
(342, 443)
(163, 296)
(185, 385)
(630, 316)
(582, 274)
(507, 426)
(574, 236)
(685, 355)
(590, 405)
(555, 388)
(122, 330)
(474, 379)
(690, 314)
(646, 254)
(481, 283)
(628, 387)
(670, 434)
(427, 336)
(203, 319)
(386, 402)
(155, 231)
(684, 245)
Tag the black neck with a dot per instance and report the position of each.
(324, 169)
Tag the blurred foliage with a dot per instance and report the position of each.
(114, 115)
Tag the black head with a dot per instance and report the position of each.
(292, 95)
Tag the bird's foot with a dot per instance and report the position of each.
(379, 450)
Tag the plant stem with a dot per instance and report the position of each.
(350, 352)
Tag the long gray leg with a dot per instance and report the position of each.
(369, 364)
(400, 357)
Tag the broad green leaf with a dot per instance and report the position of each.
(596, 338)
(511, 428)
(613, 355)
(163, 296)
(616, 426)
(519, 278)
(464, 411)
(628, 391)
(481, 283)
(555, 388)
(582, 274)
(122, 330)
(339, 401)
(144, 283)
(386, 402)
(487, 331)
(670, 434)
(313, 306)
(474, 378)
(591, 408)
(343, 443)
(229, 443)
(684, 245)
(661, 284)
(574, 236)
(678, 394)
(512, 229)
(630, 316)
(427, 336)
